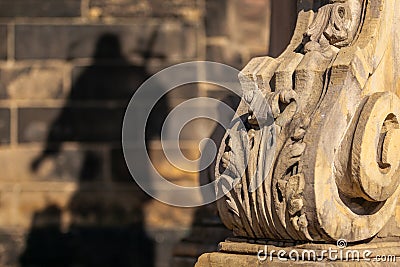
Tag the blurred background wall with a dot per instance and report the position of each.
(67, 71)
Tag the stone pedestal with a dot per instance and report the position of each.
(262, 253)
(186, 253)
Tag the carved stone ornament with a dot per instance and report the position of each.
(313, 153)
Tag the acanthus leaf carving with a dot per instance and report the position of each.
(286, 156)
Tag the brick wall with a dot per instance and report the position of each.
(67, 71)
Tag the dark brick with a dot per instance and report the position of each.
(216, 17)
(3, 43)
(34, 124)
(40, 8)
(4, 126)
(107, 82)
(166, 41)
(70, 124)
(149, 8)
(119, 169)
(31, 82)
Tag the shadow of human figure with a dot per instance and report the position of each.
(106, 221)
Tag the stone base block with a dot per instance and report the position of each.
(265, 253)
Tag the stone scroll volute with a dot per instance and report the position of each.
(322, 134)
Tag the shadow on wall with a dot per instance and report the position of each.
(105, 215)
(207, 230)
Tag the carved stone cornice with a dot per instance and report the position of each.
(312, 152)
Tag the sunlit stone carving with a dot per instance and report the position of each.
(321, 131)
